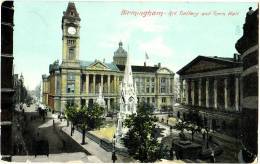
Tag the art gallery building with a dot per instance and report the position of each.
(77, 82)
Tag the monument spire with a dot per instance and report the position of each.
(128, 101)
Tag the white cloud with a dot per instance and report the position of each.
(156, 47)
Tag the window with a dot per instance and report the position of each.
(147, 80)
(70, 88)
(153, 100)
(72, 13)
(152, 89)
(164, 100)
(71, 42)
(153, 80)
(147, 89)
(163, 85)
(71, 53)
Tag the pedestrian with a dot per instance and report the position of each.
(53, 123)
(212, 157)
(204, 135)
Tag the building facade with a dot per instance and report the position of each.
(7, 91)
(211, 85)
(77, 82)
(248, 47)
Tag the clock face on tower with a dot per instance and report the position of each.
(72, 30)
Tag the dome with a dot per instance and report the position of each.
(120, 52)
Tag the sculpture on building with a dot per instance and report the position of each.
(100, 99)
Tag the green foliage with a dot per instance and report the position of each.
(85, 116)
(140, 140)
(94, 116)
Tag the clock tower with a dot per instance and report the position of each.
(70, 36)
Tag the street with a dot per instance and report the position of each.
(59, 152)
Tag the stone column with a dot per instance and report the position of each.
(108, 103)
(114, 81)
(150, 85)
(192, 92)
(102, 81)
(159, 84)
(94, 84)
(215, 93)
(237, 93)
(181, 90)
(226, 93)
(199, 88)
(87, 83)
(207, 93)
(187, 91)
(87, 102)
(108, 84)
(169, 85)
(144, 84)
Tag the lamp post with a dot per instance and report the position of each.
(114, 158)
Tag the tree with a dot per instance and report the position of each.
(84, 117)
(94, 116)
(70, 112)
(140, 140)
(194, 129)
(181, 125)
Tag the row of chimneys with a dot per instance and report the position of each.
(159, 65)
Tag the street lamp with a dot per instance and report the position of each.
(114, 158)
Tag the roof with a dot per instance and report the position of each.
(224, 62)
(120, 52)
(139, 68)
(71, 11)
(89, 63)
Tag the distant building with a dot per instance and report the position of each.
(18, 88)
(7, 91)
(76, 82)
(211, 85)
(248, 47)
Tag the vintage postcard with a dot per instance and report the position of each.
(129, 81)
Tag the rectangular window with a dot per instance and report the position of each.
(152, 89)
(71, 42)
(147, 80)
(164, 100)
(153, 80)
(147, 89)
(71, 53)
(163, 85)
(153, 99)
(70, 88)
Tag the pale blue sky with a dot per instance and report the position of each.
(172, 40)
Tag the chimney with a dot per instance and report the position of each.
(103, 60)
(145, 64)
(159, 65)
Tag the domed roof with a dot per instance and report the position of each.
(120, 52)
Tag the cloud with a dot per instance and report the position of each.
(156, 47)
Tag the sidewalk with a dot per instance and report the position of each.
(98, 154)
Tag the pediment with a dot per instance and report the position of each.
(164, 71)
(204, 65)
(98, 66)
